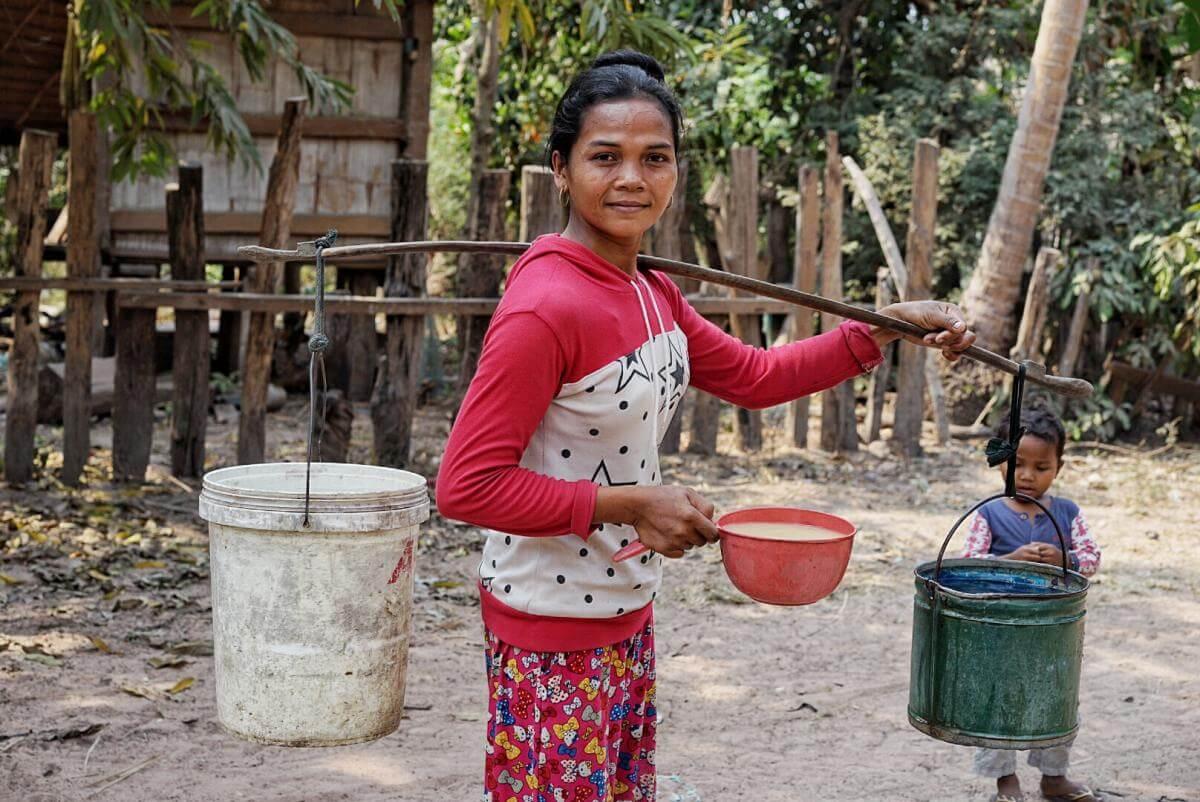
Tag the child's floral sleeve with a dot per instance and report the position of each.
(1085, 552)
(979, 538)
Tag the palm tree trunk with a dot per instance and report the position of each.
(991, 296)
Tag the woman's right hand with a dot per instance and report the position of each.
(668, 519)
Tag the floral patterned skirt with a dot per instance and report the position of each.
(571, 726)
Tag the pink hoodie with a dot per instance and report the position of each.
(582, 369)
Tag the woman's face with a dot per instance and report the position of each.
(621, 172)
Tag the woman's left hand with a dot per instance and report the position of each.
(948, 331)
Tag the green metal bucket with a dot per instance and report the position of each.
(997, 647)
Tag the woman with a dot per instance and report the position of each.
(555, 449)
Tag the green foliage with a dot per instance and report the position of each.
(1173, 262)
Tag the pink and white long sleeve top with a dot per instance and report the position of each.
(581, 370)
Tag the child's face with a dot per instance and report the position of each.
(1037, 466)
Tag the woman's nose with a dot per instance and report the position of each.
(630, 176)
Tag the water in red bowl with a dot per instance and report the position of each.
(785, 555)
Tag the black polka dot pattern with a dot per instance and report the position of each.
(624, 449)
(561, 579)
(624, 405)
(594, 432)
(583, 552)
(588, 598)
(566, 452)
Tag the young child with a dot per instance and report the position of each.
(555, 448)
(1007, 529)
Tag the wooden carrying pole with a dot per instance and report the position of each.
(276, 228)
(35, 160)
(83, 261)
(808, 234)
(394, 401)
(190, 363)
(1063, 385)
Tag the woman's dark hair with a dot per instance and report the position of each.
(1041, 423)
(618, 75)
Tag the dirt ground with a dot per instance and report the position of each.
(106, 678)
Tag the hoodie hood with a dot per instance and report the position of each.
(580, 256)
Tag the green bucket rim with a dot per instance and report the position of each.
(930, 584)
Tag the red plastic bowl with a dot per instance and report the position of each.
(786, 572)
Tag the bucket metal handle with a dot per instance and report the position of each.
(1062, 541)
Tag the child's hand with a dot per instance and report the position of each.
(1037, 553)
(669, 520)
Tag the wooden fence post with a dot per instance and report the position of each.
(804, 277)
(1079, 319)
(541, 212)
(910, 380)
(394, 402)
(190, 363)
(229, 329)
(362, 349)
(133, 394)
(742, 213)
(881, 374)
(83, 261)
(479, 274)
(667, 242)
(276, 231)
(839, 428)
(1033, 318)
(36, 160)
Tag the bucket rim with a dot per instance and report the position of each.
(219, 481)
(1039, 568)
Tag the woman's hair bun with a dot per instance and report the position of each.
(632, 58)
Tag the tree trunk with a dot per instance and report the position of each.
(36, 159)
(190, 365)
(483, 132)
(804, 277)
(276, 231)
(394, 403)
(83, 261)
(991, 296)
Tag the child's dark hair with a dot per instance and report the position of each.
(1041, 423)
(619, 75)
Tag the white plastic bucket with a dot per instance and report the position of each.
(311, 624)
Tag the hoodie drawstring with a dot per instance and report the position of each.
(653, 359)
